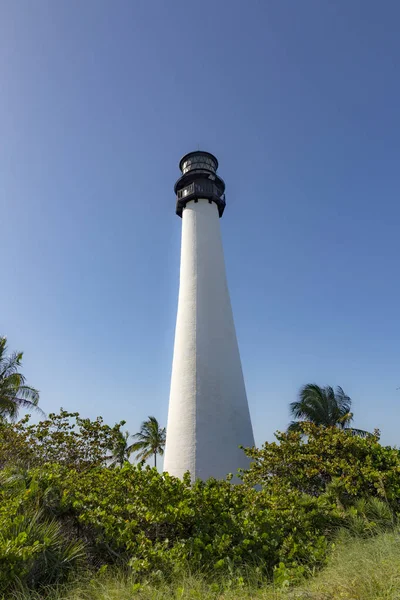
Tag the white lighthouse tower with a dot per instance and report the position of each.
(208, 416)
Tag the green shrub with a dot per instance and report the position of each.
(60, 506)
(33, 550)
(64, 438)
(135, 516)
(159, 522)
(328, 461)
(359, 569)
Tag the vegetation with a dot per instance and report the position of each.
(121, 451)
(79, 521)
(61, 505)
(14, 393)
(63, 439)
(323, 406)
(150, 440)
(359, 569)
(328, 462)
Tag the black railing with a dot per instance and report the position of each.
(186, 191)
(203, 187)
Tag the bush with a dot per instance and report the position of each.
(328, 461)
(33, 549)
(358, 569)
(135, 516)
(60, 506)
(64, 438)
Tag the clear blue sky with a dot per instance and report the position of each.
(300, 103)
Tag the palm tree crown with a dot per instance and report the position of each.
(323, 406)
(14, 393)
(150, 440)
(122, 450)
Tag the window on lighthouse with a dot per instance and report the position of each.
(199, 162)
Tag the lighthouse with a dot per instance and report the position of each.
(208, 417)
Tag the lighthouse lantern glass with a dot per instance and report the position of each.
(199, 161)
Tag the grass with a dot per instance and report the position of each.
(360, 569)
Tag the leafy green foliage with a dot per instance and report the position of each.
(135, 516)
(62, 506)
(328, 461)
(34, 551)
(362, 569)
(64, 438)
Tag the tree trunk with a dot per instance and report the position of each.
(155, 459)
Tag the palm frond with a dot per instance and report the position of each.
(14, 393)
(143, 450)
(8, 408)
(343, 401)
(359, 432)
(323, 406)
(150, 440)
(313, 405)
(121, 450)
(295, 426)
(25, 392)
(3, 348)
(10, 364)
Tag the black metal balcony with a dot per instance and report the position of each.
(199, 190)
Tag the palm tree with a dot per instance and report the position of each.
(14, 393)
(122, 450)
(323, 406)
(150, 440)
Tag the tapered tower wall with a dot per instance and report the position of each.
(208, 415)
